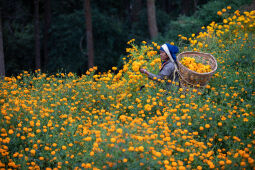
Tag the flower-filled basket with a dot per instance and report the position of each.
(195, 68)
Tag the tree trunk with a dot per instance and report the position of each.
(195, 4)
(89, 33)
(37, 35)
(136, 8)
(2, 66)
(47, 21)
(187, 7)
(152, 23)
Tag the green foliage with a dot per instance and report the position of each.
(18, 45)
(65, 35)
(110, 37)
(182, 26)
(68, 44)
(207, 13)
(112, 28)
(103, 121)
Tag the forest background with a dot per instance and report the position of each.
(72, 35)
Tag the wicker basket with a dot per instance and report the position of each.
(190, 78)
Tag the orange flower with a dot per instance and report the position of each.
(219, 13)
(113, 140)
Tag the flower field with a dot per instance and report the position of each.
(104, 120)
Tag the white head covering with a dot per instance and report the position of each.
(164, 46)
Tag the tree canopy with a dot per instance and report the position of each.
(62, 30)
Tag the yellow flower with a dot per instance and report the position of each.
(166, 162)
(10, 131)
(135, 66)
(113, 140)
(207, 126)
(151, 122)
(64, 147)
(174, 164)
(131, 148)
(191, 64)
(182, 96)
(119, 130)
(32, 152)
(141, 148)
(228, 162)
(91, 153)
(158, 154)
(221, 163)
(147, 107)
(225, 21)
(200, 44)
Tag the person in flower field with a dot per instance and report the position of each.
(168, 70)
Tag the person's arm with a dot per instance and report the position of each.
(165, 72)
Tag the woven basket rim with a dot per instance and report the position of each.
(195, 52)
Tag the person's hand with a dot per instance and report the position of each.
(142, 70)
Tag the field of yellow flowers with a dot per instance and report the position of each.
(104, 120)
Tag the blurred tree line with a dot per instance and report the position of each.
(54, 35)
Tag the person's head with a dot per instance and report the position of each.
(163, 55)
(169, 50)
